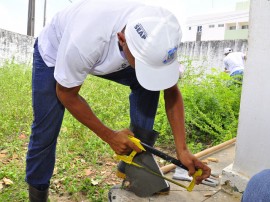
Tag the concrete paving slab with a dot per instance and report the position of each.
(200, 193)
(225, 157)
(222, 196)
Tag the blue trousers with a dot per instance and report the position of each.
(258, 188)
(238, 72)
(48, 115)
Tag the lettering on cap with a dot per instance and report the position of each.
(141, 31)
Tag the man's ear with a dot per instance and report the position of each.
(121, 38)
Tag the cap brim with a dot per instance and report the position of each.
(157, 79)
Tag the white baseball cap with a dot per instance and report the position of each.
(227, 50)
(153, 36)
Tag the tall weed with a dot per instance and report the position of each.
(211, 102)
(211, 109)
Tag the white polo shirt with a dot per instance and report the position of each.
(234, 61)
(82, 39)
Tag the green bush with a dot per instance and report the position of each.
(211, 102)
(211, 109)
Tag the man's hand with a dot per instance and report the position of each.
(191, 162)
(121, 144)
(226, 71)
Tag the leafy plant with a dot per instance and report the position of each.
(85, 166)
(211, 102)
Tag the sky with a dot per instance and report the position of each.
(14, 13)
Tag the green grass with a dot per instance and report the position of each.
(211, 106)
(78, 148)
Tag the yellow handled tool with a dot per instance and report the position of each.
(144, 147)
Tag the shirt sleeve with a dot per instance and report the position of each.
(69, 69)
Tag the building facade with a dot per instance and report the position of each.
(220, 26)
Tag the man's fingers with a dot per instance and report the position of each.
(126, 148)
(206, 172)
(134, 147)
(130, 144)
(128, 132)
(191, 170)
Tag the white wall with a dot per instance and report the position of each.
(216, 33)
(16, 47)
(210, 53)
(253, 137)
(190, 35)
(253, 142)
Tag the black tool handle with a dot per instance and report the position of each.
(163, 156)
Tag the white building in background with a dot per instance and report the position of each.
(220, 26)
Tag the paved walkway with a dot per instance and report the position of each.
(200, 193)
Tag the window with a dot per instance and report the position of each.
(199, 29)
(232, 28)
(220, 25)
(189, 28)
(211, 26)
(244, 26)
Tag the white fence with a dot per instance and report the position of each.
(19, 48)
(16, 47)
(210, 53)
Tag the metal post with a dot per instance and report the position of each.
(44, 15)
(31, 18)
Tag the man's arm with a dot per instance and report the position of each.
(80, 109)
(226, 68)
(244, 56)
(175, 113)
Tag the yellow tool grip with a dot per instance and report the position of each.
(192, 184)
(137, 142)
(129, 158)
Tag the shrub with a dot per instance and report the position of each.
(211, 102)
(211, 106)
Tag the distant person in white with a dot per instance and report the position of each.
(234, 62)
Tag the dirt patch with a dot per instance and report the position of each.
(107, 169)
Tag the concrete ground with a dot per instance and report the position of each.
(200, 192)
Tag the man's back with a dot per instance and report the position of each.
(234, 61)
(82, 39)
